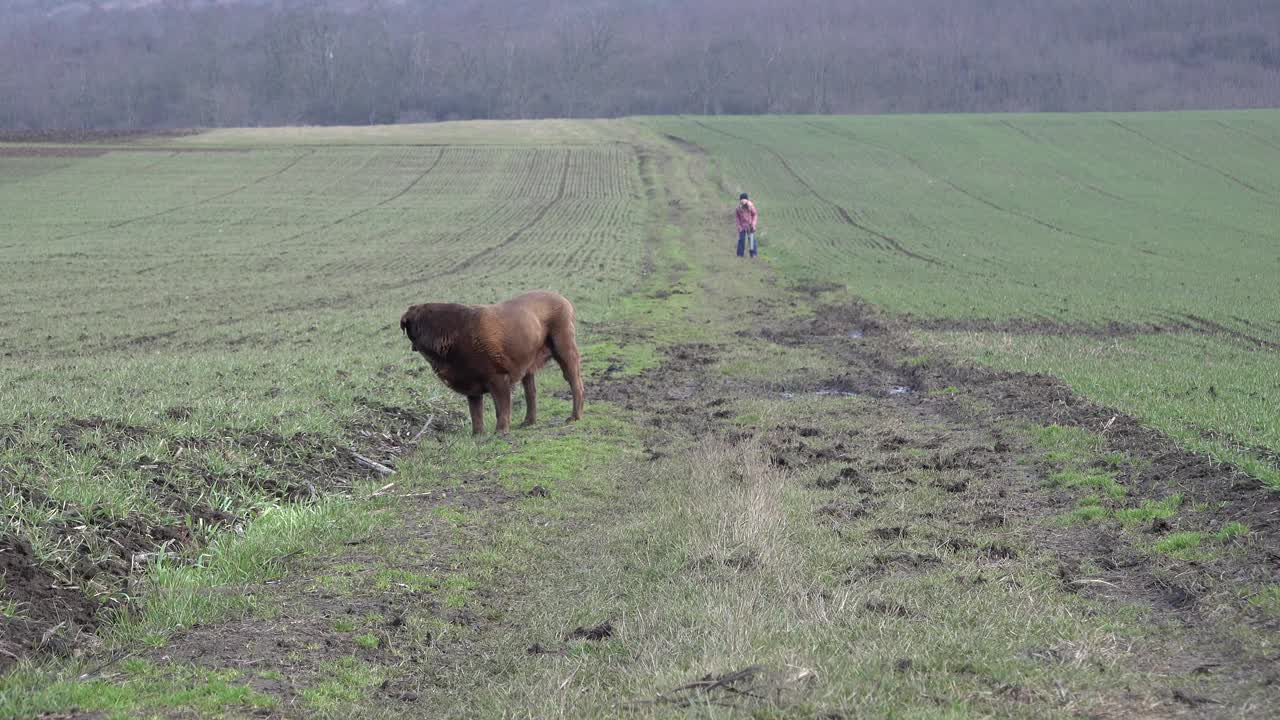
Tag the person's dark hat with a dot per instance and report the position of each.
(743, 196)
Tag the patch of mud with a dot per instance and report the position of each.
(50, 613)
(1161, 466)
(890, 533)
(843, 510)
(77, 434)
(783, 450)
(890, 563)
(594, 633)
(848, 477)
(677, 383)
(998, 552)
(1040, 325)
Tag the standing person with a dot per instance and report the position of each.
(747, 216)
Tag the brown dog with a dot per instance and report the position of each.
(478, 349)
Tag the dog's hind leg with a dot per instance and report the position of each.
(530, 399)
(476, 404)
(564, 348)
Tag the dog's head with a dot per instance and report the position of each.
(431, 329)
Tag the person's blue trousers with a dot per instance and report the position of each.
(745, 237)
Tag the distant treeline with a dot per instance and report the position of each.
(197, 63)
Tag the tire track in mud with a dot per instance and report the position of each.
(958, 188)
(994, 476)
(1171, 324)
(188, 206)
(1174, 151)
(844, 214)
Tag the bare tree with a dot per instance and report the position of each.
(341, 61)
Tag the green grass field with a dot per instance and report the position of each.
(201, 330)
(194, 337)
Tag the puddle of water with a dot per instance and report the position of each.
(824, 392)
(900, 390)
(855, 333)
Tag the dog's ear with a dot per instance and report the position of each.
(406, 321)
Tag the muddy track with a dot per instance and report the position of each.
(876, 366)
(844, 214)
(1042, 326)
(1044, 400)
(1173, 324)
(959, 188)
(987, 465)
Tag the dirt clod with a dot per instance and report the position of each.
(843, 511)
(891, 533)
(998, 552)
(597, 632)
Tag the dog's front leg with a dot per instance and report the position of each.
(500, 388)
(476, 405)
